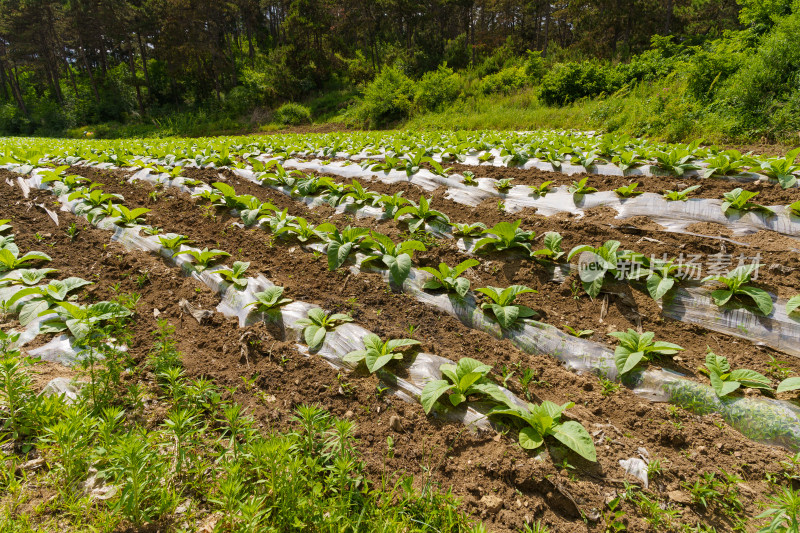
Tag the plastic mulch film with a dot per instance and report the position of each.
(692, 305)
(768, 421)
(777, 330)
(674, 216)
(344, 339)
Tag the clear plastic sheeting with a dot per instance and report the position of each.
(778, 330)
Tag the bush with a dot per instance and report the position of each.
(568, 82)
(388, 98)
(437, 88)
(13, 121)
(506, 81)
(292, 114)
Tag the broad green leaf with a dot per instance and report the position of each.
(760, 297)
(529, 438)
(432, 391)
(789, 384)
(575, 437)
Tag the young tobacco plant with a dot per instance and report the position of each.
(552, 247)
(467, 377)
(635, 348)
(793, 304)
(725, 163)
(448, 278)
(506, 237)
(396, 257)
(469, 230)
(359, 194)
(44, 298)
(580, 188)
(502, 305)
(661, 275)
(541, 190)
(504, 185)
(544, 420)
(303, 231)
(79, 320)
(234, 275)
(421, 214)
(376, 353)
(173, 241)
(627, 160)
(391, 203)
(677, 160)
(782, 169)
(604, 260)
(736, 282)
(679, 196)
(11, 260)
(340, 244)
(26, 276)
(627, 191)
(270, 300)
(469, 178)
(129, 217)
(204, 257)
(724, 381)
(317, 325)
(739, 200)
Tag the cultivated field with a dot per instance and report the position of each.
(540, 331)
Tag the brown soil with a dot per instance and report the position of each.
(472, 465)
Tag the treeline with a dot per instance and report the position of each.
(65, 64)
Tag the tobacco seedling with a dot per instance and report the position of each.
(736, 287)
(173, 241)
(580, 333)
(724, 164)
(782, 169)
(462, 380)
(635, 348)
(391, 204)
(234, 274)
(678, 160)
(679, 196)
(72, 231)
(627, 191)
(27, 277)
(543, 421)
(317, 325)
(79, 319)
(11, 260)
(662, 275)
(312, 185)
(204, 257)
(396, 257)
(552, 247)
(448, 279)
(44, 298)
(469, 230)
(507, 236)
(421, 214)
(469, 178)
(280, 220)
(604, 260)
(724, 381)
(340, 244)
(541, 190)
(303, 231)
(581, 188)
(502, 305)
(359, 194)
(739, 200)
(129, 217)
(438, 169)
(270, 300)
(504, 184)
(377, 354)
(251, 210)
(627, 159)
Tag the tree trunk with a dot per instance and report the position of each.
(135, 79)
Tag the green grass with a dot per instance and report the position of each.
(201, 461)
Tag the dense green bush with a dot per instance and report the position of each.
(568, 82)
(292, 114)
(506, 81)
(387, 99)
(438, 88)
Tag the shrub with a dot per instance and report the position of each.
(438, 88)
(292, 114)
(568, 82)
(506, 81)
(388, 98)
